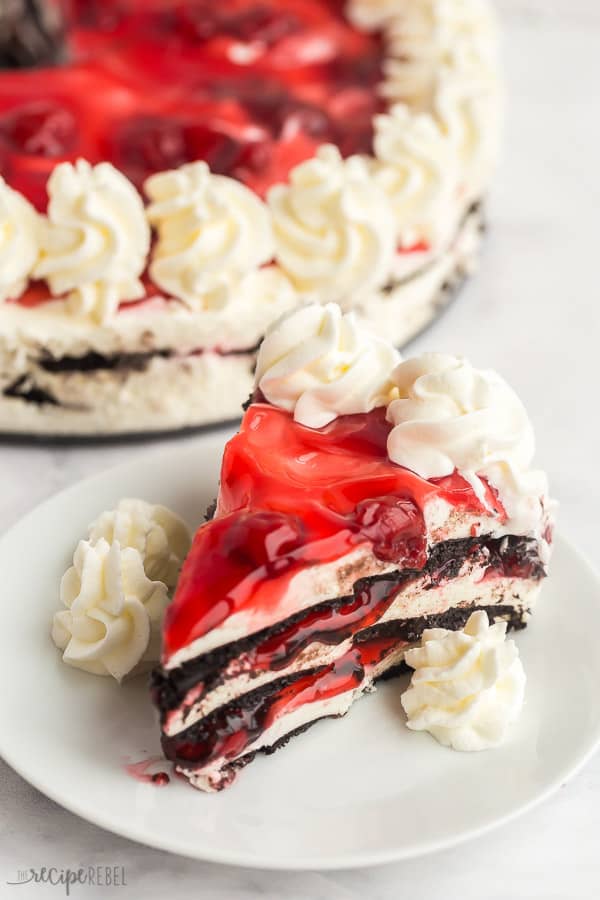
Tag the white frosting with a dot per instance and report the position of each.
(465, 28)
(19, 242)
(448, 415)
(427, 35)
(158, 535)
(318, 364)
(468, 686)
(372, 15)
(334, 228)
(212, 230)
(419, 174)
(111, 623)
(468, 105)
(95, 239)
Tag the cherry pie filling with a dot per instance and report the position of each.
(230, 730)
(334, 621)
(253, 88)
(292, 497)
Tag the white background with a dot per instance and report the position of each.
(533, 312)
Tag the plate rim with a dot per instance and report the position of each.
(252, 860)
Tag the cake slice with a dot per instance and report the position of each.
(363, 500)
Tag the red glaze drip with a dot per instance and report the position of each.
(233, 730)
(251, 86)
(330, 626)
(292, 497)
(139, 771)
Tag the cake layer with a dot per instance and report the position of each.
(258, 719)
(211, 751)
(498, 573)
(128, 397)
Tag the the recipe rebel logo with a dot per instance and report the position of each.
(97, 876)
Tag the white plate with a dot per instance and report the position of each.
(352, 792)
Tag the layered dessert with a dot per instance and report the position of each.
(177, 175)
(364, 500)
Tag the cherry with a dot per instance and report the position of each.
(40, 128)
(351, 70)
(199, 22)
(220, 151)
(263, 102)
(255, 159)
(204, 21)
(98, 14)
(309, 120)
(261, 24)
(395, 527)
(263, 540)
(355, 140)
(285, 116)
(149, 144)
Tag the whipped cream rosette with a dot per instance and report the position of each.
(159, 536)
(319, 364)
(212, 231)
(113, 611)
(115, 593)
(420, 174)
(467, 687)
(334, 228)
(449, 415)
(19, 241)
(94, 240)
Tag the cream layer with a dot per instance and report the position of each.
(412, 601)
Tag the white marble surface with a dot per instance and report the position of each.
(534, 313)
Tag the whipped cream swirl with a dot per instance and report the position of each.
(371, 15)
(428, 35)
(468, 105)
(448, 415)
(419, 173)
(95, 239)
(468, 686)
(212, 230)
(319, 364)
(157, 534)
(19, 242)
(112, 616)
(334, 228)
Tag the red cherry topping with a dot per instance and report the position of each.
(40, 128)
(147, 144)
(252, 87)
(395, 526)
(263, 540)
(292, 497)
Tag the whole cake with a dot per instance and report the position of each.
(188, 171)
(364, 501)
